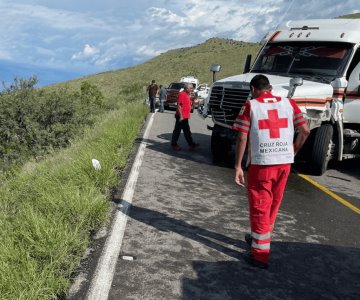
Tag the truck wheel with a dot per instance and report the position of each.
(219, 147)
(322, 149)
(215, 147)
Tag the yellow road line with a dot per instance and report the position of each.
(330, 193)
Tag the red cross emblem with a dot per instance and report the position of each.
(273, 123)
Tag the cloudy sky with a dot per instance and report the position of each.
(64, 39)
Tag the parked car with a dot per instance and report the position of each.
(172, 95)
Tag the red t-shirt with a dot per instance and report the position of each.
(243, 120)
(185, 104)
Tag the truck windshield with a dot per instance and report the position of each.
(321, 62)
(176, 85)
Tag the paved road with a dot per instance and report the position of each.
(188, 219)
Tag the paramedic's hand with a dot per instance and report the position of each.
(239, 176)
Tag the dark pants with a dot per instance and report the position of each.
(152, 100)
(183, 125)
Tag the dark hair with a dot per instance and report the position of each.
(260, 82)
(153, 81)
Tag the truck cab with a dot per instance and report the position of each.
(315, 62)
(191, 79)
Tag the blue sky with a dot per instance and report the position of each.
(61, 40)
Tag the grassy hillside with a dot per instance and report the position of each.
(174, 64)
(351, 16)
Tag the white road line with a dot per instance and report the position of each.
(104, 273)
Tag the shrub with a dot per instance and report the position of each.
(33, 121)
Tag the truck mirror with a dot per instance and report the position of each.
(215, 68)
(297, 81)
(358, 90)
(339, 83)
(247, 64)
(294, 83)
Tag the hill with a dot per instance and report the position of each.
(174, 64)
(230, 54)
(351, 16)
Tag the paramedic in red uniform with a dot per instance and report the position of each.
(269, 122)
(182, 116)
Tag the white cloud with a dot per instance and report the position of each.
(88, 53)
(96, 36)
(19, 15)
(147, 50)
(159, 14)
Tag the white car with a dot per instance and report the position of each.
(203, 91)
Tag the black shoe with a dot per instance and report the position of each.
(248, 257)
(248, 239)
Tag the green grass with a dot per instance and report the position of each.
(48, 209)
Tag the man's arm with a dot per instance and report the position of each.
(179, 112)
(303, 134)
(180, 101)
(241, 124)
(178, 107)
(300, 124)
(240, 150)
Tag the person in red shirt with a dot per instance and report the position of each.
(270, 123)
(182, 117)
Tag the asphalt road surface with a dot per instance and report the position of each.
(187, 220)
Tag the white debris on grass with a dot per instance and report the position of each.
(96, 164)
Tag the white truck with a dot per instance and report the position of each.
(317, 63)
(203, 91)
(191, 79)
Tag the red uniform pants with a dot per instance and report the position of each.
(266, 185)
